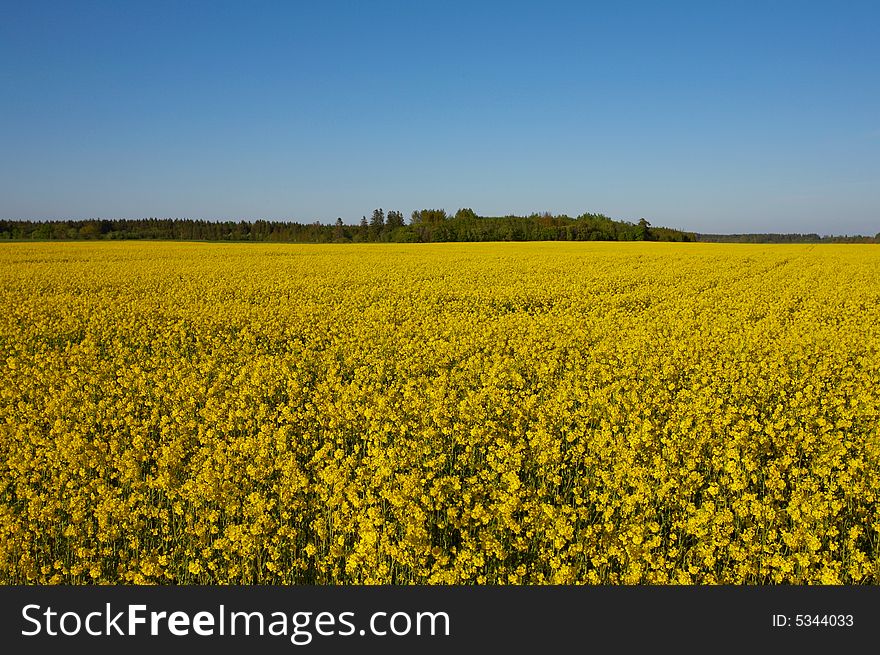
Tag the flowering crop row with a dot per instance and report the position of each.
(446, 413)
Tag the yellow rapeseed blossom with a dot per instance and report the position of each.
(541, 413)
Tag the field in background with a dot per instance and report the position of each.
(477, 413)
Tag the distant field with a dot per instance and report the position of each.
(598, 413)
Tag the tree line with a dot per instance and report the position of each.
(423, 226)
(794, 237)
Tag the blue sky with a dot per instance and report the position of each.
(715, 117)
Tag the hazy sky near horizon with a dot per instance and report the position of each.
(714, 117)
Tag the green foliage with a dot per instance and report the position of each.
(428, 216)
(427, 225)
(394, 220)
(772, 237)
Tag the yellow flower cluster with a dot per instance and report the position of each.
(446, 413)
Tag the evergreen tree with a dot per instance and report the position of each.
(394, 220)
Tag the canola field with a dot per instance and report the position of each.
(448, 413)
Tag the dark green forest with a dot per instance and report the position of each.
(772, 237)
(423, 226)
